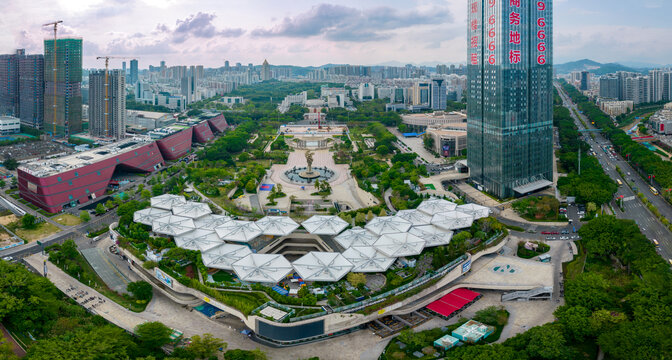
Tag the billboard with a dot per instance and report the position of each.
(163, 277)
(466, 266)
(446, 150)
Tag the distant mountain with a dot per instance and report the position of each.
(593, 67)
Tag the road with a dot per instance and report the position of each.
(633, 209)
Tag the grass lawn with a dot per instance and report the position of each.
(222, 276)
(67, 220)
(539, 208)
(42, 231)
(573, 268)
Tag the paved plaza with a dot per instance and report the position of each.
(107, 270)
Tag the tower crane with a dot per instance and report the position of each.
(55, 25)
(107, 85)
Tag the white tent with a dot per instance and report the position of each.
(262, 268)
(173, 225)
(199, 239)
(147, 216)
(277, 225)
(322, 266)
(167, 201)
(192, 210)
(224, 255)
(399, 244)
(324, 225)
(432, 235)
(239, 231)
(434, 206)
(210, 222)
(367, 259)
(356, 237)
(388, 225)
(452, 220)
(415, 216)
(477, 211)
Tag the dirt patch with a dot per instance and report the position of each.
(5, 220)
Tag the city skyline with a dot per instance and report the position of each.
(308, 33)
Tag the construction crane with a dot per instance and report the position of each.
(107, 85)
(55, 25)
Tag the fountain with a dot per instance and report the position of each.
(308, 175)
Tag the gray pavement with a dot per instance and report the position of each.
(107, 270)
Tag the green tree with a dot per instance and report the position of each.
(6, 350)
(382, 150)
(2, 183)
(238, 354)
(10, 163)
(576, 321)
(153, 335)
(84, 216)
(360, 219)
(100, 209)
(141, 290)
(356, 278)
(251, 186)
(100, 342)
(589, 290)
(591, 207)
(145, 194)
(28, 222)
(109, 204)
(205, 346)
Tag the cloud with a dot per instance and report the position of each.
(200, 26)
(341, 23)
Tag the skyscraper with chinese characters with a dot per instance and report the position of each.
(510, 95)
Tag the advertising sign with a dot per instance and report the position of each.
(163, 277)
(466, 266)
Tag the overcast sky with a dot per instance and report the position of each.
(306, 32)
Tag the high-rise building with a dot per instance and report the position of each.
(510, 98)
(438, 94)
(9, 83)
(133, 77)
(656, 85)
(107, 112)
(62, 86)
(187, 88)
(227, 66)
(609, 87)
(31, 90)
(584, 80)
(265, 71)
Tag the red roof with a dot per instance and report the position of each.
(453, 301)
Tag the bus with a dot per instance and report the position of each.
(619, 182)
(653, 190)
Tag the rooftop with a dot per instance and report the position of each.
(163, 132)
(49, 167)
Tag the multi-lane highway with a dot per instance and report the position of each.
(633, 208)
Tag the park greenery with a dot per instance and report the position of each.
(539, 208)
(592, 185)
(642, 159)
(538, 246)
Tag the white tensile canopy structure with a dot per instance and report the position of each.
(277, 225)
(432, 235)
(322, 266)
(435, 206)
(388, 225)
(367, 259)
(198, 240)
(477, 211)
(324, 225)
(173, 225)
(167, 201)
(399, 244)
(416, 217)
(452, 220)
(224, 255)
(210, 222)
(192, 210)
(356, 237)
(239, 231)
(262, 268)
(147, 216)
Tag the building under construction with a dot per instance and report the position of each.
(62, 93)
(107, 119)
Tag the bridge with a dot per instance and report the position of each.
(590, 130)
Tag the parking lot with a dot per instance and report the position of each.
(33, 150)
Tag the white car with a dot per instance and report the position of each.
(8, 258)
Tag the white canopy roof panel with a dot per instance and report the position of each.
(452, 220)
(477, 211)
(212, 221)
(224, 255)
(322, 266)
(173, 225)
(199, 239)
(192, 210)
(263, 268)
(324, 225)
(147, 216)
(356, 237)
(367, 259)
(277, 225)
(435, 206)
(388, 225)
(167, 201)
(399, 244)
(415, 216)
(432, 235)
(239, 231)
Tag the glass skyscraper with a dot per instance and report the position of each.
(510, 95)
(63, 87)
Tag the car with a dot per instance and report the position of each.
(670, 260)
(545, 233)
(565, 231)
(8, 258)
(655, 242)
(556, 233)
